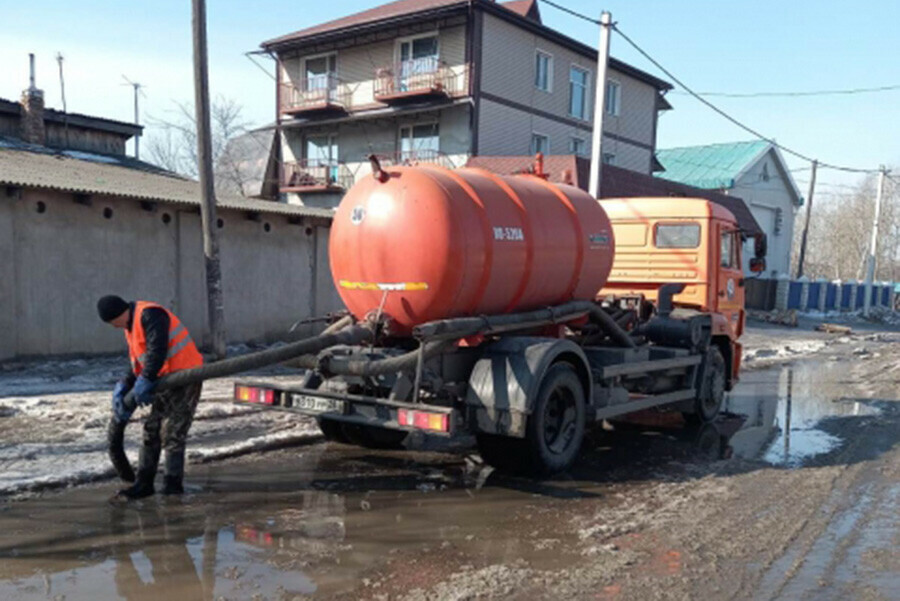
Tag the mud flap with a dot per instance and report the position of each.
(115, 439)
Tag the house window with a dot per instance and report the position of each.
(578, 146)
(418, 55)
(319, 73)
(578, 92)
(321, 150)
(609, 158)
(764, 174)
(419, 142)
(613, 97)
(540, 143)
(543, 71)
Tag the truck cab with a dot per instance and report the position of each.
(690, 241)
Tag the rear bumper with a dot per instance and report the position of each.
(352, 409)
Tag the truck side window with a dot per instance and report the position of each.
(726, 252)
(678, 235)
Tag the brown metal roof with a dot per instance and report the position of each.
(526, 8)
(399, 8)
(615, 182)
(56, 171)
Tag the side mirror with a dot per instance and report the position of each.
(761, 247)
(757, 264)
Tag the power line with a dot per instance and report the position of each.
(728, 117)
(572, 12)
(796, 94)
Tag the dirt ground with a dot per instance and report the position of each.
(793, 493)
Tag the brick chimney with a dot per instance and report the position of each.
(32, 122)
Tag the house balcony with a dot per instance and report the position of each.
(418, 79)
(309, 176)
(416, 157)
(319, 94)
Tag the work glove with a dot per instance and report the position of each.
(121, 412)
(143, 391)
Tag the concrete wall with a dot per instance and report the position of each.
(58, 262)
(770, 201)
(508, 64)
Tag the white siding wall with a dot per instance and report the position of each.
(764, 198)
(508, 63)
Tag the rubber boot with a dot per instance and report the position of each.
(142, 488)
(174, 473)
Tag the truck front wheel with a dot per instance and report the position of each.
(712, 389)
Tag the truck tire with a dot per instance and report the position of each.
(712, 389)
(554, 432)
(331, 430)
(373, 437)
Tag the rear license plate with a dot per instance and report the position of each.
(318, 404)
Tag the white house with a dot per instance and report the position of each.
(754, 171)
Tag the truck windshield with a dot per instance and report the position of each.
(678, 235)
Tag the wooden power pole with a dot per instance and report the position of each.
(599, 105)
(809, 203)
(215, 303)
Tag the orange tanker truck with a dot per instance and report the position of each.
(520, 312)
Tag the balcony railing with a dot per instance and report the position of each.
(315, 93)
(418, 77)
(416, 157)
(316, 175)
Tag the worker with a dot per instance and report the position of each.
(158, 345)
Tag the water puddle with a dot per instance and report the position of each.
(787, 412)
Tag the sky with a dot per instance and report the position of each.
(736, 46)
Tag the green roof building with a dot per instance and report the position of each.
(754, 171)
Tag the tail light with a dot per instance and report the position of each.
(439, 422)
(253, 394)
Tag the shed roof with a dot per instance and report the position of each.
(616, 182)
(88, 173)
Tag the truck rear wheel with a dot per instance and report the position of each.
(554, 432)
(712, 389)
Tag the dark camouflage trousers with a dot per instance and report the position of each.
(167, 427)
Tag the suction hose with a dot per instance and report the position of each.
(115, 432)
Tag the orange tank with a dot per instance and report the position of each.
(423, 243)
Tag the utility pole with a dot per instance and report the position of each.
(137, 115)
(599, 104)
(873, 247)
(215, 303)
(809, 202)
(62, 89)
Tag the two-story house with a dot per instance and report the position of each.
(444, 80)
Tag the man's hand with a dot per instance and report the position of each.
(143, 391)
(122, 413)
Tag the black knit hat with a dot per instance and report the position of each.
(110, 307)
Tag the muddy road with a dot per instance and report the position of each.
(794, 493)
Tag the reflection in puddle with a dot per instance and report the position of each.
(785, 414)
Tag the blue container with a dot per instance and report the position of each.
(794, 295)
(860, 296)
(845, 297)
(885, 295)
(812, 301)
(831, 296)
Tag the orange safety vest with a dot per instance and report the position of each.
(183, 353)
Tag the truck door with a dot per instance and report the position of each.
(730, 280)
